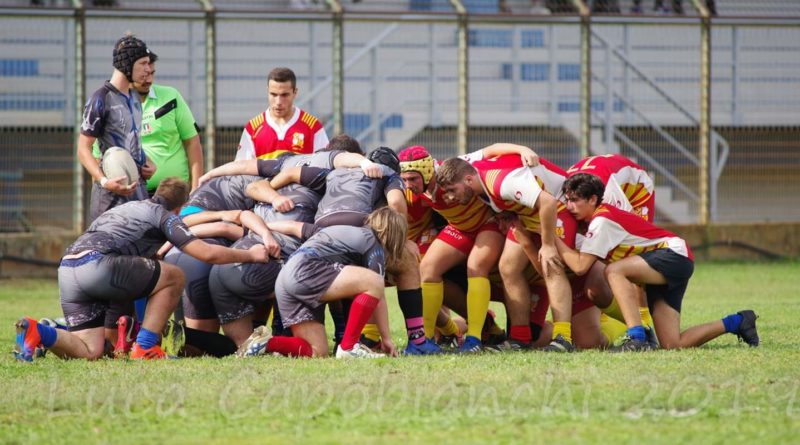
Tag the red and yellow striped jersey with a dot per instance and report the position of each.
(615, 234)
(628, 186)
(267, 143)
(515, 188)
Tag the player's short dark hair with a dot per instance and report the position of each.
(584, 186)
(344, 142)
(282, 74)
(173, 191)
(453, 171)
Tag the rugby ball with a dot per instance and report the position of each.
(119, 162)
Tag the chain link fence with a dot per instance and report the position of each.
(402, 83)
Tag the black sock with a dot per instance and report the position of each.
(336, 309)
(536, 331)
(277, 324)
(410, 302)
(212, 343)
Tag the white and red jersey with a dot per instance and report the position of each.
(466, 218)
(263, 138)
(628, 186)
(615, 234)
(514, 187)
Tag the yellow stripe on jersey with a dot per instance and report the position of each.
(637, 194)
(257, 121)
(274, 154)
(309, 120)
(491, 177)
(624, 251)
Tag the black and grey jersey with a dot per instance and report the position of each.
(224, 193)
(136, 228)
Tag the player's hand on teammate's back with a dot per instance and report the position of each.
(148, 169)
(116, 185)
(272, 246)
(551, 261)
(202, 179)
(259, 253)
(530, 158)
(371, 169)
(283, 204)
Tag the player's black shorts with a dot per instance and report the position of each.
(91, 283)
(676, 268)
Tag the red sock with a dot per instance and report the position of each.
(521, 333)
(290, 346)
(362, 308)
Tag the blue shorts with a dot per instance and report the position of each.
(676, 268)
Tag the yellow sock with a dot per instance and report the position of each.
(478, 290)
(614, 311)
(647, 320)
(450, 328)
(371, 332)
(563, 328)
(611, 329)
(432, 298)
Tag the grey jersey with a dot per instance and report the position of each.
(348, 245)
(320, 159)
(350, 190)
(136, 228)
(115, 119)
(224, 193)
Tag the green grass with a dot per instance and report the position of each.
(722, 393)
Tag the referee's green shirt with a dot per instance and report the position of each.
(167, 121)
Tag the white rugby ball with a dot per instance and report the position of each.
(119, 162)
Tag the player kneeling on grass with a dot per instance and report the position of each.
(112, 263)
(639, 252)
(335, 263)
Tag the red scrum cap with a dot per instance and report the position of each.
(417, 159)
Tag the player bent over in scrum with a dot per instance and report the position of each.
(335, 263)
(639, 252)
(112, 262)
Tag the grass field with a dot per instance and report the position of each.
(722, 393)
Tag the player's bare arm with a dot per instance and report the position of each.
(214, 254)
(529, 157)
(578, 262)
(257, 225)
(241, 167)
(355, 160)
(396, 200)
(211, 216)
(217, 229)
(194, 154)
(262, 191)
(548, 254)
